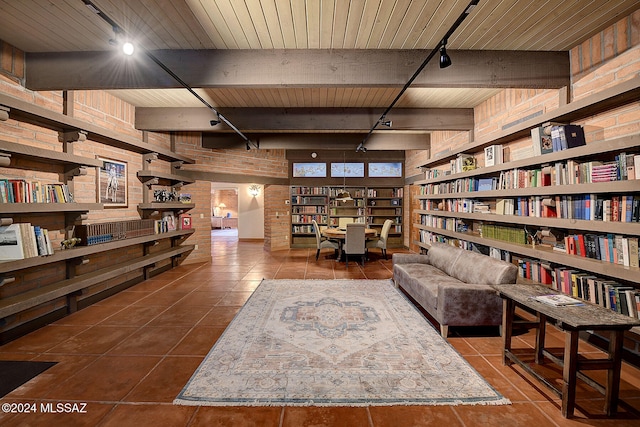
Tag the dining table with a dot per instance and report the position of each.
(339, 234)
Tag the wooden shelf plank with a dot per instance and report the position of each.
(35, 114)
(618, 95)
(18, 208)
(630, 274)
(630, 186)
(626, 228)
(158, 206)
(593, 148)
(30, 299)
(82, 251)
(164, 178)
(47, 156)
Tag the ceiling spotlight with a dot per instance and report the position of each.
(386, 123)
(214, 121)
(445, 61)
(362, 148)
(127, 48)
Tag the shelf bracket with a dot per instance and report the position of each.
(178, 184)
(5, 159)
(149, 157)
(4, 113)
(79, 171)
(73, 136)
(152, 181)
(177, 165)
(5, 280)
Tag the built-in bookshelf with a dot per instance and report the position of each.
(307, 204)
(60, 278)
(572, 209)
(370, 205)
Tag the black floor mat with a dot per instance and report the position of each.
(15, 373)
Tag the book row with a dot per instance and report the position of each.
(621, 298)
(591, 207)
(93, 234)
(309, 209)
(23, 191)
(24, 240)
(624, 167)
(613, 248)
(309, 190)
(306, 219)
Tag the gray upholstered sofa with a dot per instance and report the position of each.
(452, 284)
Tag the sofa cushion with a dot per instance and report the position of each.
(443, 256)
(421, 282)
(472, 267)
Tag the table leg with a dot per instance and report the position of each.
(569, 374)
(508, 310)
(540, 334)
(613, 373)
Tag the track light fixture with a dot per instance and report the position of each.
(215, 121)
(445, 60)
(385, 122)
(443, 51)
(118, 30)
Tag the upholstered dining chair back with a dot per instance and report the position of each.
(354, 242)
(322, 243)
(382, 239)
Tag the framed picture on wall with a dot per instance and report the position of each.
(111, 184)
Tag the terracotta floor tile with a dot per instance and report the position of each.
(251, 416)
(109, 378)
(163, 298)
(496, 379)
(95, 340)
(325, 416)
(219, 316)
(198, 341)
(89, 316)
(518, 414)
(414, 416)
(176, 316)
(150, 340)
(44, 338)
(135, 315)
(93, 413)
(149, 416)
(165, 381)
(66, 366)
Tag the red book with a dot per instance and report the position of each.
(615, 208)
(581, 246)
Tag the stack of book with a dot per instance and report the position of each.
(93, 234)
(23, 240)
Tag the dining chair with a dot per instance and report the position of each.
(354, 241)
(322, 242)
(381, 242)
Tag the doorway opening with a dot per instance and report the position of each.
(224, 211)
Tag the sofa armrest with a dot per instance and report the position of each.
(410, 258)
(468, 304)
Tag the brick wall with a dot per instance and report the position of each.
(276, 217)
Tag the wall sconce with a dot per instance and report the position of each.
(254, 190)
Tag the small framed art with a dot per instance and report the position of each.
(111, 184)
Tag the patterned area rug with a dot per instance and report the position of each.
(333, 343)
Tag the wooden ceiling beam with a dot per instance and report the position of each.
(296, 68)
(302, 119)
(326, 141)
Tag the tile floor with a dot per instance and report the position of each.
(128, 356)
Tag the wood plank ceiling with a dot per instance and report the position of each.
(63, 29)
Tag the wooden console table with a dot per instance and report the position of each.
(572, 320)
